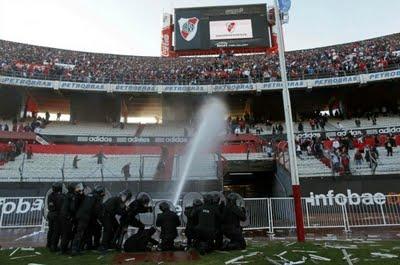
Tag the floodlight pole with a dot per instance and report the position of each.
(289, 130)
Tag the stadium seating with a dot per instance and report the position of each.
(87, 128)
(386, 164)
(47, 167)
(310, 166)
(365, 123)
(203, 167)
(153, 130)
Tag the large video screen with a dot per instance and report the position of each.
(231, 29)
(206, 28)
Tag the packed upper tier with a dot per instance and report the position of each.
(30, 61)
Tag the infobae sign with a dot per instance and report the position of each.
(20, 205)
(348, 198)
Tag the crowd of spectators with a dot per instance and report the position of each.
(337, 156)
(48, 63)
(31, 124)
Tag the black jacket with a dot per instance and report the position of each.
(139, 242)
(91, 208)
(168, 221)
(114, 206)
(68, 208)
(232, 217)
(129, 217)
(208, 217)
(54, 204)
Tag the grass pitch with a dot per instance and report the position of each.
(258, 254)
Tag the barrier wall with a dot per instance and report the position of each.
(331, 211)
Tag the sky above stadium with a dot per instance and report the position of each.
(133, 27)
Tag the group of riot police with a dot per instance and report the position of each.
(79, 221)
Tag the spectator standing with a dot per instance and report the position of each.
(336, 144)
(75, 162)
(358, 159)
(100, 157)
(300, 127)
(373, 162)
(126, 170)
(29, 153)
(345, 160)
(340, 126)
(335, 161)
(389, 148)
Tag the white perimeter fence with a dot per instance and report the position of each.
(323, 211)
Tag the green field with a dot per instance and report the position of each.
(295, 252)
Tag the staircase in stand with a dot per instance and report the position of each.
(139, 130)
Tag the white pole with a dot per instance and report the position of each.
(289, 128)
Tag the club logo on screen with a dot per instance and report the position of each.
(231, 26)
(188, 27)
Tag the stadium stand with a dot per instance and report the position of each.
(30, 61)
(88, 128)
(176, 129)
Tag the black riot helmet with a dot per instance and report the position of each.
(235, 199)
(57, 187)
(164, 206)
(216, 198)
(143, 199)
(71, 187)
(99, 190)
(197, 202)
(125, 195)
(208, 199)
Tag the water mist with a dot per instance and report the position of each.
(211, 125)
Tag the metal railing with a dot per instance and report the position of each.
(337, 212)
(188, 81)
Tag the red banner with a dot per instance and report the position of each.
(166, 36)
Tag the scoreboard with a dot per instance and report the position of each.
(205, 28)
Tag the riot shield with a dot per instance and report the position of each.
(188, 200)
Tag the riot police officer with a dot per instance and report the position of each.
(54, 203)
(219, 207)
(191, 222)
(140, 205)
(168, 221)
(112, 207)
(232, 216)
(208, 217)
(91, 209)
(67, 215)
(141, 242)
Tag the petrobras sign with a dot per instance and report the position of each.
(383, 75)
(279, 85)
(335, 81)
(134, 88)
(235, 87)
(83, 86)
(310, 83)
(348, 198)
(17, 81)
(184, 88)
(20, 205)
